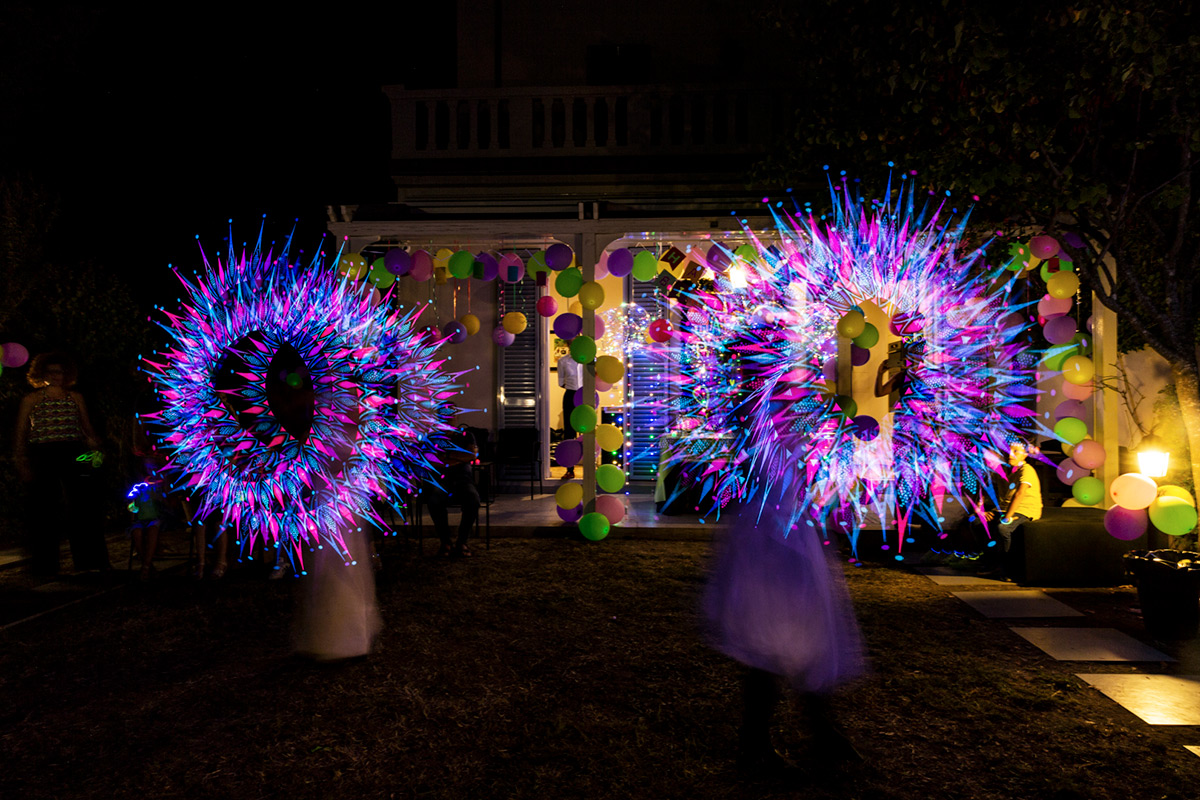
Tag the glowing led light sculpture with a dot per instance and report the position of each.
(291, 401)
(755, 397)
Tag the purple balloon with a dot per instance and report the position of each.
(397, 261)
(455, 331)
(559, 256)
(829, 369)
(859, 355)
(568, 326)
(569, 452)
(1069, 471)
(487, 268)
(579, 398)
(718, 258)
(502, 337)
(569, 514)
(1072, 239)
(15, 355)
(1060, 330)
(1124, 523)
(866, 427)
(1070, 408)
(620, 263)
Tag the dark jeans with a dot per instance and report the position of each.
(568, 406)
(466, 496)
(63, 503)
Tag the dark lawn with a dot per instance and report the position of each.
(547, 669)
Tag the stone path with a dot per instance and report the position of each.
(1155, 699)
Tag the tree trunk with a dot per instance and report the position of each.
(1187, 390)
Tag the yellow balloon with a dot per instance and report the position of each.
(575, 309)
(1078, 369)
(354, 265)
(442, 257)
(851, 325)
(591, 295)
(1031, 261)
(515, 322)
(471, 323)
(609, 438)
(1171, 490)
(1062, 284)
(569, 495)
(609, 369)
(441, 275)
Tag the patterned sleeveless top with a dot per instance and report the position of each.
(55, 421)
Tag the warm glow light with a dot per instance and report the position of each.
(1154, 463)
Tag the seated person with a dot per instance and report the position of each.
(1020, 503)
(457, 486)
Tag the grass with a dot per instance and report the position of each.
(547, 669)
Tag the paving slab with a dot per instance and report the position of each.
(1156, 699)
(946, 576)
(1017, 603)
(1089, 644)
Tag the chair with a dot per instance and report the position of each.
(521, 447)
(485, 505)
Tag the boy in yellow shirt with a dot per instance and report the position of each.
(1022, 503)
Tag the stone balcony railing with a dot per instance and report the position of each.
(584, 121)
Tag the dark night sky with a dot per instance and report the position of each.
(153, 128)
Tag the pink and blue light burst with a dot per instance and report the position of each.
(757, 402)
(295, 403)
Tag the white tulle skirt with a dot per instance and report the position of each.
(337, 616)
(780, 604)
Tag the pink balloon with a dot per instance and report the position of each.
(512, 268)
(1070, 408)
(15, 355)
(1049, 307)
(1126, 524)
(1077, 391)
(1060, 330)
(1133, 490)
(612, 507)
(599, 328)
(602, 386)
(422, 266)
(1069, 471)
(1044, 246)
(602, 266)
(1090, 322)
(547, 306)
(1089, 454)
(829, 369)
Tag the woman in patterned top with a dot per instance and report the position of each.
(53, 430)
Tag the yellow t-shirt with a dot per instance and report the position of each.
(1031, 501)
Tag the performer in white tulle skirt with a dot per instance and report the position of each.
(337, 617)
(777, 602)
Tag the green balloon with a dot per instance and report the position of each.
(380, 276)
(583, 419)
(1063, 266)
(1055, 356)
(746, 252)
(1071, 430)
(537, 263)
(1173, 516)
(462, 264)
(869, 337)
(594, 526)
(568, 282)
(846, 405)
(1088, 490)
(583, 349)
(645, 266)
(610, 477)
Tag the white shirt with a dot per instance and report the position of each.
(570, 373)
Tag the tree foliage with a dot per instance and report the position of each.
(1080, 118)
